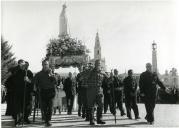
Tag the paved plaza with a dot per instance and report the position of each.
(166, 115)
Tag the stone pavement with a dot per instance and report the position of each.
(166, 115)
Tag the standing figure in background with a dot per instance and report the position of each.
(45, 82)
(130, 91)
(118, 92)
(148, 90)
(10, 93)
(57, 101)
(106, 92)
(70, 90)
(80, 91)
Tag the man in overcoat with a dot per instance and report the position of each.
(148, 90)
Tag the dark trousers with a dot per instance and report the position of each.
(82, 106)
(99, 104)
(108, 102)
(131, 103)
(93, 97)
(70, 101)
(119, 101)
(28, 106)
(149, 106)
(47, 96)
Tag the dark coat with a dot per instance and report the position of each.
(118, 85)
(19, 83)
(130, 86)
(70, 87)
(148, 84)
(107, 85)
(19, 88)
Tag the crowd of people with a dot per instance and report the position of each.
(96, 90)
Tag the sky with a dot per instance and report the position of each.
(126, 30)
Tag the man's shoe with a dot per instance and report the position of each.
(146, 118)
(101, 122)
(130, 118)
(137, 118)
(92, 123)
(87, 119)
(48, 124)
(27, 121)
(69, 113)
(83, 116)
(79, 114)
(150, 122)
(16, 123)
(122, 114)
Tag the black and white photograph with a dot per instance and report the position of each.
(89, 63)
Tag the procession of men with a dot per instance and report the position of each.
(96, 90)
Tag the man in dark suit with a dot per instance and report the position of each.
(148, 90)
(70, 90)
(130, 91)
(118, 92)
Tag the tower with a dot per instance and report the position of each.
(97, 48)
(97, 53)
(63, 22)
(154, 57)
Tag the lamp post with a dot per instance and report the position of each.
(154, 46)
(154, 57)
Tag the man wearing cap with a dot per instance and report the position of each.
(95, 93)
(148, 90)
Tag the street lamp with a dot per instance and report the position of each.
(154, 45)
